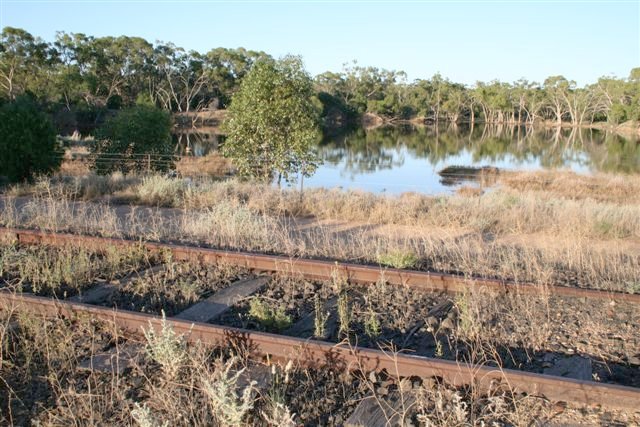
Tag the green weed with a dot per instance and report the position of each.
(398, 259)
(267, 317)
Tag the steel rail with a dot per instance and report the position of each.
(317, 269)
(319, 354)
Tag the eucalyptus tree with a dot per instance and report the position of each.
(529, 100)
(452, 101)
(272, 122)
(582, 104)
(104, 69)
(182, 78)
(556, 89)
(495, 101)
(23, 60)
(633, 90)
(619, 99)
(119, 65)
(71, 68)
(225, 69)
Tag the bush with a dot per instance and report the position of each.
(136, 139)
(398, 259)
(273, 122)
(27, 141)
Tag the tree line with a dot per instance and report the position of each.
(77, 72)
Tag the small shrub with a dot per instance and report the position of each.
(633, 288)
(279, 415)
(160, 191)
(468, 325)
(144, 417)
(166, 348)
(344, 313)
(603, 227)
(48, 271)
(398, 259)
(372, 324)
(221, 388)
(267, 317)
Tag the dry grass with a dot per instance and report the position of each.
(212, 165)
(64, 271)
(619, 189)
(178, 384)
(574, 261)
(173, 383)
(610, 212)
(84, 187)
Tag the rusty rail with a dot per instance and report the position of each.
(317, 269)
(319, 354)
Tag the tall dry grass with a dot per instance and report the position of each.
(602, 187)
(501, 211)
(574, 261)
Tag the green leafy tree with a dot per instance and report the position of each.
(273, 121)
(24, 62)
(136, 139)
(225, 70)
(27, 141)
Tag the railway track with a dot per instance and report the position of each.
(317, 269)
(192, 322)
(317, 354)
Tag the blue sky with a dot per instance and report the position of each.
(463, 40)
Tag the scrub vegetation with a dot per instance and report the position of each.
(122, 96)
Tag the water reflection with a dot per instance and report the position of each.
(404, 158)
(416, 154)
(196, 143)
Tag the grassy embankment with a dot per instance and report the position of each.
(546, 228)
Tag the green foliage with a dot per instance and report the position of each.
(272, 121)
(398, 259)
(335, 112)
(165, 347)
(136, 139)
(372, 324)
(24, 62)
(27, 141)
(78, 71)
(267, 317)
(618, 113)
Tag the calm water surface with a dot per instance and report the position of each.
(400, 159)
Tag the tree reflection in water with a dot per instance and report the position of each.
(407, 158)
(360, 151)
